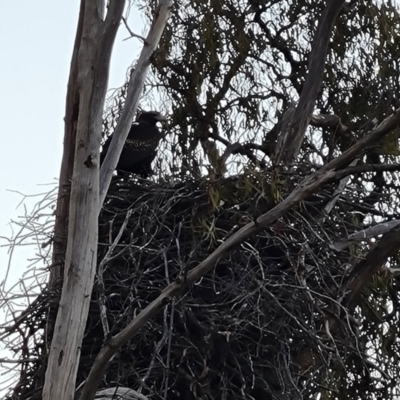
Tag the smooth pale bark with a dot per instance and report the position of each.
(85, 103)
(135, 88)
(297, 125)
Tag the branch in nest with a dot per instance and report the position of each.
(366, 234)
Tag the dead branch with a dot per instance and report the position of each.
(366, 234)
(103, 263)
(329, 121)
(336, 195)
(132, 33)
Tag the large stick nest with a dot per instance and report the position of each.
(257, 326)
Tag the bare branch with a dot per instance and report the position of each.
(135, 87)
(328, 121)
(102, 298)
(336, 195)
(375, 259)
(300, 120)
(131, 33)
(366, 234)
(344, 175)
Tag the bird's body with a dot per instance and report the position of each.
(140, 147)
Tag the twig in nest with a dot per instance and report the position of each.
(107, 257)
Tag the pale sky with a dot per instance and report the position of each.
(36, 39)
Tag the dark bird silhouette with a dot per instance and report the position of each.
(140, 147)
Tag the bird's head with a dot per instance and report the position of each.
(150, 117)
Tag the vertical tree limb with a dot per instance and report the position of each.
(67, 164)
(86, 95)
(293, 137)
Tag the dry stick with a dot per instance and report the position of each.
(132, 33)
(290, 148)
(365, 234)
(104, 261)
(135, 87)
(337, 193)
(306, 188)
